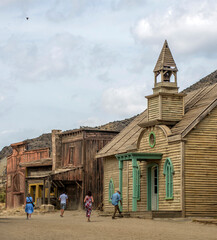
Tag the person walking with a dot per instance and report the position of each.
(29, 206)
(63, 201)
(88, 200)
(116, 198)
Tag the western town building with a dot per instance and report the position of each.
(24, 171)
(75, 168)
(165, 161)
(70, 166)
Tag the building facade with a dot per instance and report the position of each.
(165, 161)
(75, 168)
(18, 184)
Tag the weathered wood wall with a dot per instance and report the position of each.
(201, 168)
(172, 107)
(83, 145)
(93, 167)
(153, 108)
(165, 106)
(111, 170)
(173, 151)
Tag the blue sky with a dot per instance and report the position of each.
(85, 63)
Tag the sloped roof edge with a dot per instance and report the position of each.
(209, 108)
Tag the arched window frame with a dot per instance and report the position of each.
(111, 189)
(168, 172)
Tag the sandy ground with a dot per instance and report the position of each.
(73, 225)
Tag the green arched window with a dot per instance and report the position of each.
(138, 173)
(111, 189)
(168, 172)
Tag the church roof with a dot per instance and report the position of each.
(165, 59)
(198, 104)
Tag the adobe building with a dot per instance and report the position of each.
(25, 172)
(165, 161)
(75, 168)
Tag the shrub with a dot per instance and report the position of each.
(2, 196)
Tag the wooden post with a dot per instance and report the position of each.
(43, 191)
(49, 186)
(26, 188)
(134, 165)
(183, 177)
(121, 179)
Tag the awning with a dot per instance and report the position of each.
(139, 156)
(73, 174)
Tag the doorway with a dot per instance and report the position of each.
(152, 187)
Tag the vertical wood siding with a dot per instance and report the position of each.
(85, 145)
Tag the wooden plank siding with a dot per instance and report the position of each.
(111, 170)
(172, 151)
(78, 150)
(201, 168)
(172, 108)
(153, 108)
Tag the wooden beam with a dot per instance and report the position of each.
(79, 185)
(43, 191)
(49, 186)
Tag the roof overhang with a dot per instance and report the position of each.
(157, 122)
(139, 156)
(166, 94)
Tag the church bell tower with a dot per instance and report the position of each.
(165, 105)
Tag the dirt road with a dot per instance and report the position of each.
(74, 226)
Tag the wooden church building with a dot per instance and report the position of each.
(165, 161)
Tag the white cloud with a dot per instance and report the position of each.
(4, 132)
(125, 101)
(60, 56)
(90, 122)
(190, 27)
(2, 98)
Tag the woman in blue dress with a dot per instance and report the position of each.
(29, 206)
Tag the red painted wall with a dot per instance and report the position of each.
(16, 175)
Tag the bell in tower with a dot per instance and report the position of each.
(165, 69)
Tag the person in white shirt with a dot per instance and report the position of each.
(63, 201)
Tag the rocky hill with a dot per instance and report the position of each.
(40, 142)
(206, 81)
(45, 139)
